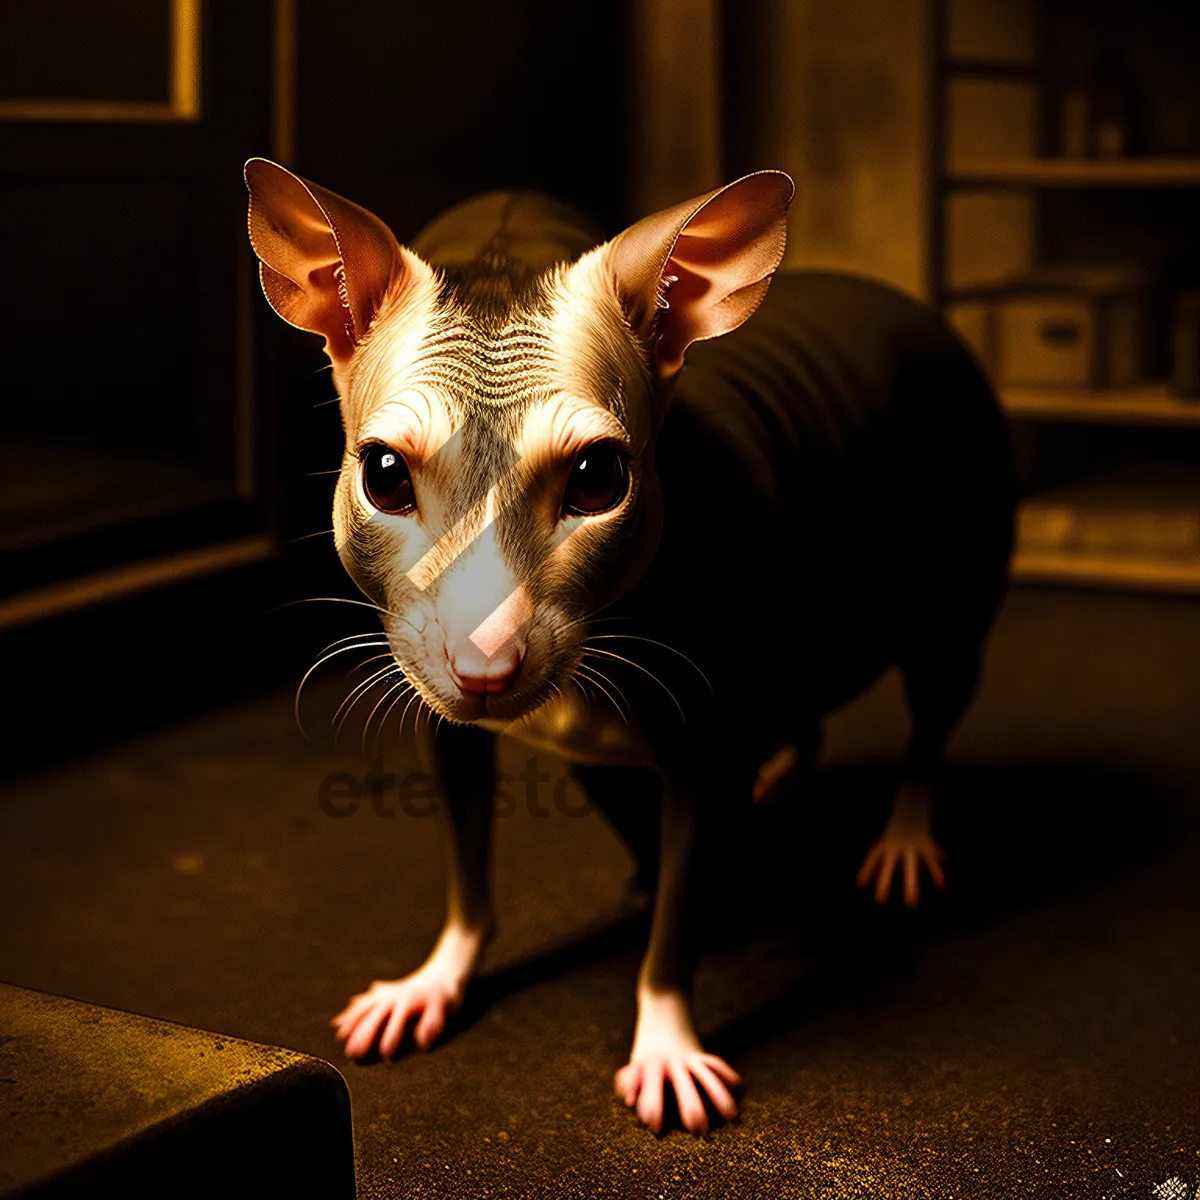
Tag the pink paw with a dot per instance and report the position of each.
(381, 1015)
(643, 1083)
(888, 853)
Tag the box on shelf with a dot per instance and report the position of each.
(1069, 327)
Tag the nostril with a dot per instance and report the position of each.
(480, 674)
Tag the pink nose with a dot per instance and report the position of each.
(474, 671)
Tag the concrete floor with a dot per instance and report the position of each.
(1032, 1032)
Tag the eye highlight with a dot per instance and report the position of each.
(386, 479)
(598, 481)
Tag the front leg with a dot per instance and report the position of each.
(666, 1048)
(380, 1016)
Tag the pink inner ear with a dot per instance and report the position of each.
(326, 262)
(296, 244)
(723, 259)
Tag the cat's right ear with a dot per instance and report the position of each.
(699, 269)
(325, 263)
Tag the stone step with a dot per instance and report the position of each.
(97, 1101)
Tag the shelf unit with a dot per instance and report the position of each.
(1125, 571)
(999, 183)
(1180, 172)
(1145, 404)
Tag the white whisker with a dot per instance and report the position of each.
(399, 691)
(387, 612)
(581, 682)
(304, 537)
(375, 680)
(629, 637)
(325, 659)
(639, 667)
(371, 633)
(361, 687)
(594, 676)
(416, 696)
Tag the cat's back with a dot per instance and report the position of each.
(525, 229)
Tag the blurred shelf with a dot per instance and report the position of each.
(1119, 536)
(1144, 404)
(1182, 172)
(1114, 473)
(1107, 570)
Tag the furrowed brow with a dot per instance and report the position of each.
(415, 422)
(561, 426)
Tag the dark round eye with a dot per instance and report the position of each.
(598, 480)
(386, 480)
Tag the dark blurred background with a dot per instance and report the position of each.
(156, 466)
(1032, 167)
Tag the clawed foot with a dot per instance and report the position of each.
(888, 853)
(381, 1015)
(642, 1082)
(667, 1051)
(907, 839)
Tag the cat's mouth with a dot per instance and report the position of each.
(504, 707)
(490, 709)
(485, 695)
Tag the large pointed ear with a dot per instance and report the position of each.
(325, 263)
(700, 268)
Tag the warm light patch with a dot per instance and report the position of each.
(556, 429)
(452, 543)
(503, 622)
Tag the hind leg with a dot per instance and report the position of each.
(939, 689)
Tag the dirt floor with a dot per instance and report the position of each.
(1031, 1032)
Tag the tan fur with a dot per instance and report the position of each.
(583, 378)
(490, 383)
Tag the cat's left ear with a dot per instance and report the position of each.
(700, 268)
(326, 263)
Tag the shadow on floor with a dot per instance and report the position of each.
(1017, 838)
(1014, 836)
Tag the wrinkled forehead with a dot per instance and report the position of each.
(487, 369)
(483, 369)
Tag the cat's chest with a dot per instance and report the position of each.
(580, 729)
